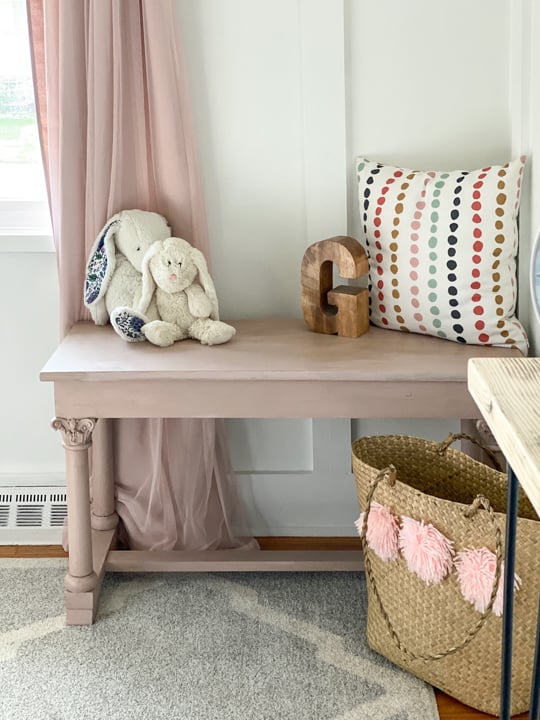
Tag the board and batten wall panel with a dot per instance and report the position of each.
(285, 95)
(427, 88)
(267, 83)
(268, 87)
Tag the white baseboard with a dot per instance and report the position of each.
(303, 531)
(30, 536)
(32, 479)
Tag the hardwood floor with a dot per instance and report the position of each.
(449, 709)
(31, 551)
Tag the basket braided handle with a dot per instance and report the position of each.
(443, 447)
(389, 474)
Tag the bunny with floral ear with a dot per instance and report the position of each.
(114, 269)
(176, 277)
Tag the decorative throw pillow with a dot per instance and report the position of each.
(442, 250)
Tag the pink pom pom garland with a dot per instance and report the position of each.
(427, 551)
(382, 531)
(475, 570)
(431, 556)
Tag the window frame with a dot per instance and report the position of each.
(25, 227)
(25, 224)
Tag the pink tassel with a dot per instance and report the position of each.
(427, 551)
(382, 531)
(476, 573)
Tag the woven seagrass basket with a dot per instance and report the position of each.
(431, 630)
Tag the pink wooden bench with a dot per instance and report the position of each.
(273, 368)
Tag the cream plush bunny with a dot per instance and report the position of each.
(114, 270)
(187, 309)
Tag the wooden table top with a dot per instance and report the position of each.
(270, 349)
(507, 392)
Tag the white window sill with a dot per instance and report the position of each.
(20, 242)
(25, 226)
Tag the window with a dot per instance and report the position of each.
(24, 215)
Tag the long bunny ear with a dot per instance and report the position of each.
(99, 270)
(206, 281)
(148, 284)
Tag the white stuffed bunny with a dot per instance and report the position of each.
(187, 309)
(114, 269)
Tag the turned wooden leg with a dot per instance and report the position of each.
(104, 516)
(76, 439)
(88, 548)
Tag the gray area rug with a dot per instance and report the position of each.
(254, 646)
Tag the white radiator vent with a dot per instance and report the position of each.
(32, 515)
(29, 516)
(58, 514)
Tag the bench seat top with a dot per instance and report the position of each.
(271, 368)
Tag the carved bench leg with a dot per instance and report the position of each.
(81, 580)
(104, 515)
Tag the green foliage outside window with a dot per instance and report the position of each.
(18, 133)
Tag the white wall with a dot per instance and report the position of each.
(30, 452)
(286, 93)
(269, 107)
(526, 132)
(428, 85)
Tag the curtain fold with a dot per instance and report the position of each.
(116, 132)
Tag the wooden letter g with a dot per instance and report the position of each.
(345, 309)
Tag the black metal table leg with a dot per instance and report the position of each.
(534, 706)
(508, 598)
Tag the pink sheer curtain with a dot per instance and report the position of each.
(117, 134)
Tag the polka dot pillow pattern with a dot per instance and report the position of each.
(442, 250)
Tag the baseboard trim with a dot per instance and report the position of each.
(31, 537)
(32, 480)
(285, 542)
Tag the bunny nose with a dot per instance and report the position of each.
(172, 277)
